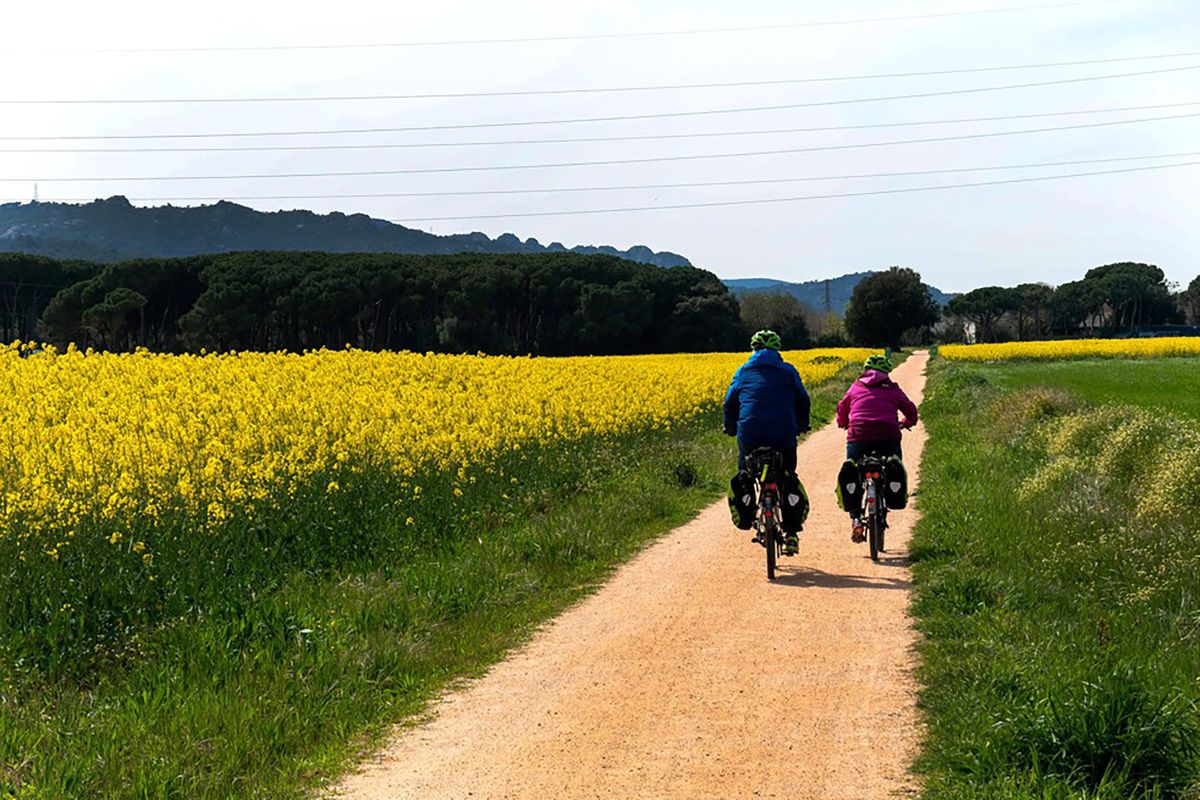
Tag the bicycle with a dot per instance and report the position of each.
(766, 465)
(872, 470)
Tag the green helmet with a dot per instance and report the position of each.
(767, 339)
(878, 362)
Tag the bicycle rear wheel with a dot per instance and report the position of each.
(874, 535)
(772, 547)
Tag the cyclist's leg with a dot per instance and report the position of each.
(794, 515)
(789, 457)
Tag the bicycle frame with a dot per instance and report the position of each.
(768, 530)
(871, 471)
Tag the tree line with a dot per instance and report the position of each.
(894, 307)
(548, 304)
(1112, 299)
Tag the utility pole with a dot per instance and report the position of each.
(826, 321)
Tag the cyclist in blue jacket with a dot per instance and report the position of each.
(767, 405)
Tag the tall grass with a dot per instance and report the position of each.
(1056, 586)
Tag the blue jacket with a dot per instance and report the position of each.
(766, 405)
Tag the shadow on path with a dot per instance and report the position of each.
(814, 578)
(886, 560)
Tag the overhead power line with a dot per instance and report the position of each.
(605, 139)
(599, 89)
(579, 36)
(635, 116)
(771, 200)
(636, 137)
(597, 163)
(648, 186)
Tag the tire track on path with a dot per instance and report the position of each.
(689, 675)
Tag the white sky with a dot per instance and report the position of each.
(958, 239)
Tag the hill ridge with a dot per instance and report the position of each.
(113, 229)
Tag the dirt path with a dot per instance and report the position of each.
(689, 675)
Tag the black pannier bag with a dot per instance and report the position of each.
(849, 487)
(794, 501)
(895, 483)
(741, 500)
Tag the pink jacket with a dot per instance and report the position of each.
(870, 406)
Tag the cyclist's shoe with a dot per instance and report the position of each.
(857, 531)
(791, 544)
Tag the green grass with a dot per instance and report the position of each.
(1055, 582)
(278, 684)
(1172, 384)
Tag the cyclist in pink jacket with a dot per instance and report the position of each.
(869, 411)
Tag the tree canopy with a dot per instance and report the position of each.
(1028, 305)
(549, 304)
(1117, 297)
(984, 307)
(1190, 301)
(781, 313)
(888, 304)
(1135, 294)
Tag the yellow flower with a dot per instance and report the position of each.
(1075, 348)
(138, 439)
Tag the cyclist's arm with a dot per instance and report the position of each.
(733, 405)
(803, 406)
(908, 408)
(843, 409)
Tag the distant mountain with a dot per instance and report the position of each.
(115, 230)
(813, 293)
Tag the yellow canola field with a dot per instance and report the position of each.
(1075, 348)
(96, 439)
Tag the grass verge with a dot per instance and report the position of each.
(1055, 584)
(278, 689)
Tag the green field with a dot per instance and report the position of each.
(1171, 384)
(1056, 580)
